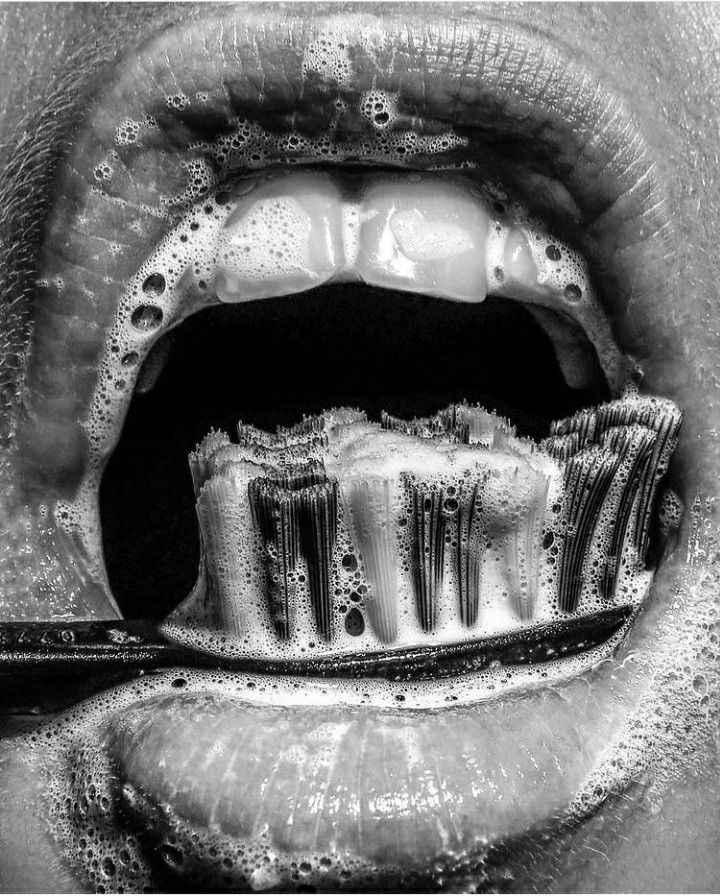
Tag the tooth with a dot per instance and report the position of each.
(369, 505)
(528, 264)
(524, 548)
(202, 455)
(275, 514)
(429, 523)
(154, 364)
(588, 476)
(318, 514)
(470, 548)
(519, 267)
(425, 235)
(284, 235)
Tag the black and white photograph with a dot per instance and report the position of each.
(359, 447)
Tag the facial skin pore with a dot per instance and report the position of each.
(662, 60)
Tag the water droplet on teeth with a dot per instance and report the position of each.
(147, 317)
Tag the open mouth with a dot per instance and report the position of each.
(428, 307)
(340, 537)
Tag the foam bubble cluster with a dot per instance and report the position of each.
(328, 56)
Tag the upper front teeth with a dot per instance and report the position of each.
(281, 235)
(424, 236)
(298, 230)
(438, 234)
(427, 537)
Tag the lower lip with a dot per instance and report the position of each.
(302, 790)
(224, 771)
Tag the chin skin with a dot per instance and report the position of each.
(660, 829)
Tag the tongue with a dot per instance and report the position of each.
(339, 536)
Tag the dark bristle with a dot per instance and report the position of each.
(296, 514)
(318, 514)
(588, 476)
(668, 428)
(275, 515)
(634, 446)
(563, 447)
(583, 425)
(470, 550)
(429, 524)
(300, 476)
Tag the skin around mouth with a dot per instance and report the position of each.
(457, 818)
